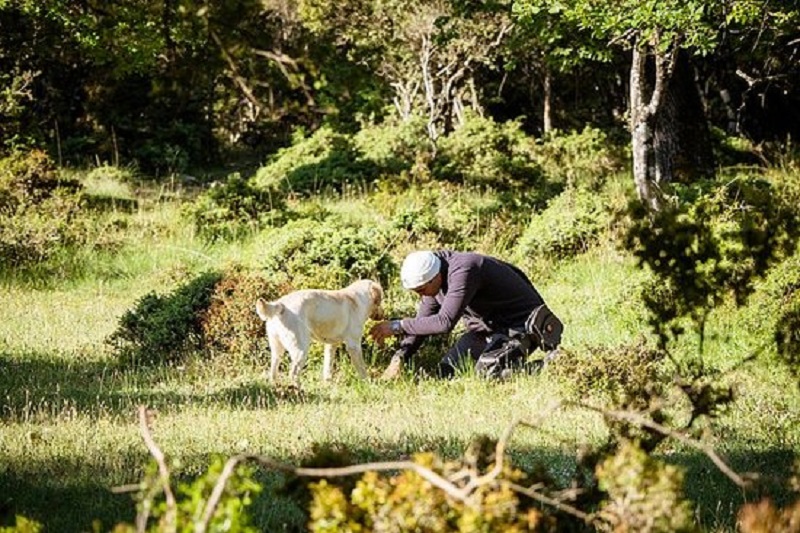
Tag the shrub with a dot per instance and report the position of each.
(393, 146)
(568, 226)
(721, 237)
(38, 210)
(625, 375)
(164, 328)
(230, 324)
(787, 335)
(29, 178)
(486, 153)
(325, 159)
(236, 207)
(643, 494)
(408, 502)
(327, 254)
(191, 499)
(579, 159)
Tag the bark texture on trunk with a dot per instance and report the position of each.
(682, 140)
(642, 132)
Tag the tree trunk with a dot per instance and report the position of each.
(682, 140)
(642, 133)
(547, 110)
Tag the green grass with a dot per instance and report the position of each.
(69, 434)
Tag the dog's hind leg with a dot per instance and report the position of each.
(356, 357)
(327, 363)
(276, 352)
(298, 362)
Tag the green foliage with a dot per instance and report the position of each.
(164, 328)
(327, 254)
(231, 513)
(787, 334)
(29, 178)
(435, 214)
(230, 325)
(323, 160)
(643, 494)
(23, 525)
(38, 210)
(408, 502)
(393, 146)
(233, 209)
(623, 375)
(584, 159)
(486, 153)
(713, 245)
(572, 222)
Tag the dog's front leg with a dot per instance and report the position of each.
(354, 350)
(327, 363)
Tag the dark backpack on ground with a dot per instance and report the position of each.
(506, 353)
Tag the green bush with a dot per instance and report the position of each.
(29, 178)
(234, 208)
(230, 325)
(579, 159)
(164, 328)
(231, 513)
(327, 254)
(714, 241)
(570, 224)
(642, 493)
(39, 212)
(621, 375)
(408, 502)
(486, 153)
(324, 160)
(393, 146)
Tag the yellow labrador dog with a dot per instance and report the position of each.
(330, 317)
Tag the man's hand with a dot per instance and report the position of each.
(380, 331)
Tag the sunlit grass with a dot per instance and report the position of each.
(68, 427)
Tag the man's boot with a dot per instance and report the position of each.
(395, 368)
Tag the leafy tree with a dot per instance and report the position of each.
(427, 52)
(661, 37)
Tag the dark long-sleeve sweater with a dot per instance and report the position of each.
(488, 294)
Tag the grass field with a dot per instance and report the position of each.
(69, 433)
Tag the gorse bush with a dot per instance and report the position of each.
(579, 159)
(486, 153)
(569, 225)
(642, 494)
(721, 236)
(39, 212)
(408, 502)
(234, 208)
(393, 146)
(327, 254)
(230, 325)
(163, 329)
(324, 160)
(622, 375)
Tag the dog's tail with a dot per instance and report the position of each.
(266, 309)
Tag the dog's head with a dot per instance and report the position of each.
(376, 299)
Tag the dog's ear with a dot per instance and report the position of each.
(376, 293)
(266, 309)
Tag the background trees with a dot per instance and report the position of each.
(180, 84)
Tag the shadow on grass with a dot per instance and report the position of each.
(72, 500)
(34, 384)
